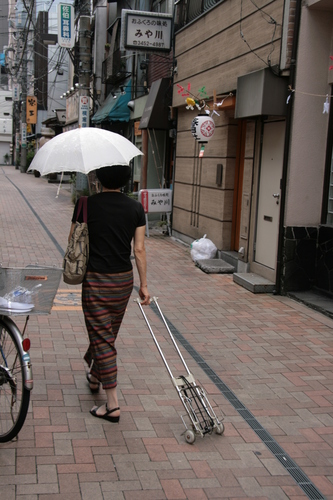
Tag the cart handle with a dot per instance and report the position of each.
(154, 299)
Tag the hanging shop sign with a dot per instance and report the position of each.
(146, 31)
(66, 25)
(72, 108)
(203, 128)
(21, 17)
(31, 109)
(137, 131)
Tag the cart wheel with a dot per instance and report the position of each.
(189, 436)
(219, 429)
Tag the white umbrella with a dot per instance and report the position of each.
(83, 150)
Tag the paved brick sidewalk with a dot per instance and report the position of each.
(275, 355)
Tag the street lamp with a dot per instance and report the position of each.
(49, 38)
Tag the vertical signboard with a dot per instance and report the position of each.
(66, 25)
(16, 91)
(84, 111)
(23, 135)
(82, 180)
(31, 109)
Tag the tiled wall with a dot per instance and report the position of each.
(308, 259)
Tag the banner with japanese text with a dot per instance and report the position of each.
(31, 109)
(66, 25)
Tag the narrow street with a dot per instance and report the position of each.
(265, 362)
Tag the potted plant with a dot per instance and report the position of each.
(6, 158)
(107, 49)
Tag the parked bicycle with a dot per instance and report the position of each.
(23, 291)
(15, 379)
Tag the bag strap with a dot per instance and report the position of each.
(83, 204)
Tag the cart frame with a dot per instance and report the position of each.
(203, 419)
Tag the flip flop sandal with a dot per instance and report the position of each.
(106, 415)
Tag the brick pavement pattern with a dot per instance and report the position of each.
(275, 354)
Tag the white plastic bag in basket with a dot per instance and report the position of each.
(203, 249)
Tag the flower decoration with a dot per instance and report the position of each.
(190, 103)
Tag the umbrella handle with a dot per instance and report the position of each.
(61, 178)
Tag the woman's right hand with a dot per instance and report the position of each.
(144, 295)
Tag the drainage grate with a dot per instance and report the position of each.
(287, 462)
(246, 414)
(296, 472)
(274, 447)
(298, 475)
(311, 491)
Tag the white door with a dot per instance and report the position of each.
(269, 194)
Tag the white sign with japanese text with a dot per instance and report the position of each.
(66, 25)
(146, 30)
(156, 200)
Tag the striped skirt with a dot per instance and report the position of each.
(104, 301)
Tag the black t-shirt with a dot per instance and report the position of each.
(112, 220)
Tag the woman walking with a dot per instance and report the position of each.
(114, 221)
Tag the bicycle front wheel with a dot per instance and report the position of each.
(14, 396)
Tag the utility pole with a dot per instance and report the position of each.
(84, 56)
(84, 79)
(26, 46)
(17, 134)
(23, 165)
(84, 51)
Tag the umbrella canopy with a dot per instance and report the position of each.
(83, 150)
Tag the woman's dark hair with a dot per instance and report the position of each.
(114, 177)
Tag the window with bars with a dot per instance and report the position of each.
(187, 11)
(161, 6)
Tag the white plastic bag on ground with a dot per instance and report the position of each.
(203, 249)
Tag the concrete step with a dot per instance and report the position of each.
(314, 299)
(254, 283)
(214, 266)
(231, 257)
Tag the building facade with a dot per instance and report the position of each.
(261, 188)
(6, 126)
(308, 219)
(130, 85)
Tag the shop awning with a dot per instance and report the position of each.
(156, 112)
(115, 109)
(104, 110)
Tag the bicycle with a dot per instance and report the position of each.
(21, 289)
(16, 379)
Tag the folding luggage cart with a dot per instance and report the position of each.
(203, 419)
